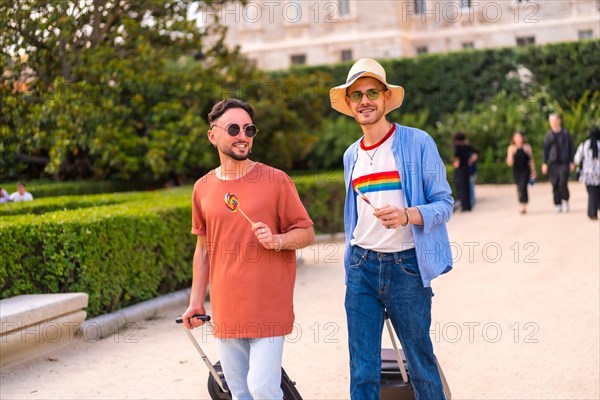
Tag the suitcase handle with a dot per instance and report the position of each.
(447, 392)
(201, 317)
(396, 351)
(209, 365)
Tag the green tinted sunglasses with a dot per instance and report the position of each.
(372, 94)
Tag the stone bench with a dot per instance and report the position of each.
(36, 324)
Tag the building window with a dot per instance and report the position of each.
(465, 3)
(468, 45)
(419, 6)
(347, 55)
(525, 40)
(343, 7)
(298, 59)
(587, 34)
(422, 50)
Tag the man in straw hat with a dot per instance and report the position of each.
(393, 253)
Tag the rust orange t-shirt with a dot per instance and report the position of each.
(251, 288)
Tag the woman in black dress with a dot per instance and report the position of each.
(520, 157)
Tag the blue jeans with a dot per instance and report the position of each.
(389, 281)
(252, 367)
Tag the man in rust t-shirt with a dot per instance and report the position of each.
(247, 255)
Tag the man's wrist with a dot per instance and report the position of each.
(407, 217)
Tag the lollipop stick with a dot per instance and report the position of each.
(244, 214)
(362, 196)
(374, 208)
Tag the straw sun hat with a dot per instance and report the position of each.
(361, 69)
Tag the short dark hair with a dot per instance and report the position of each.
(224, 105)
(459, 136)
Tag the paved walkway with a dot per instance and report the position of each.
(518, 318)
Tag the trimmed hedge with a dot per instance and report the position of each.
(120, 254)
(43, 188)
(60, 203)
(323, 194)
(448, 82)
(121, 248)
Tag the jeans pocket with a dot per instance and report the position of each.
(410, 267)
(355, 261)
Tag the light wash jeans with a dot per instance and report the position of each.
(389, 281)
(252, 367)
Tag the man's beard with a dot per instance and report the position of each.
(238, 157)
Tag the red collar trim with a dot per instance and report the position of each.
(386, 137)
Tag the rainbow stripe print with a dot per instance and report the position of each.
(379, 182)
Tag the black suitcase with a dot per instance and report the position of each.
(395, 376)
(217, 386)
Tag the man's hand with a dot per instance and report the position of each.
(190, 322)
(545, 169)
(265, 236)
(391, 217)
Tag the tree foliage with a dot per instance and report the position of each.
(109, 88)
(121, 89)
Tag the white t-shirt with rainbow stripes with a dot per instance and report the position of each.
(376, 176)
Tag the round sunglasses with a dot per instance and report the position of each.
(234, 129)
(372, 94)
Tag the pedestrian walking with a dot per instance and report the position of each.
(557, 161)
(587, 156)
(519, 156)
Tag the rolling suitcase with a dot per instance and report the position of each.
(217, 385)
(395, 376)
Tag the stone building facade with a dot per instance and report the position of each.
(276, 34)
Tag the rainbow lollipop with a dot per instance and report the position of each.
(362, 196)
(234, 205)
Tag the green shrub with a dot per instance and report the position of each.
(323, 195)
(335, 136)
(44, 188)
(120, 254)
(62, 203)
(441, 83)
(490, 125)
(122, 248)
(341, 131)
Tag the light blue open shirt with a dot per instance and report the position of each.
(424, 184)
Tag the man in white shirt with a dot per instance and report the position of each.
(21, 194)
(397, 204)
